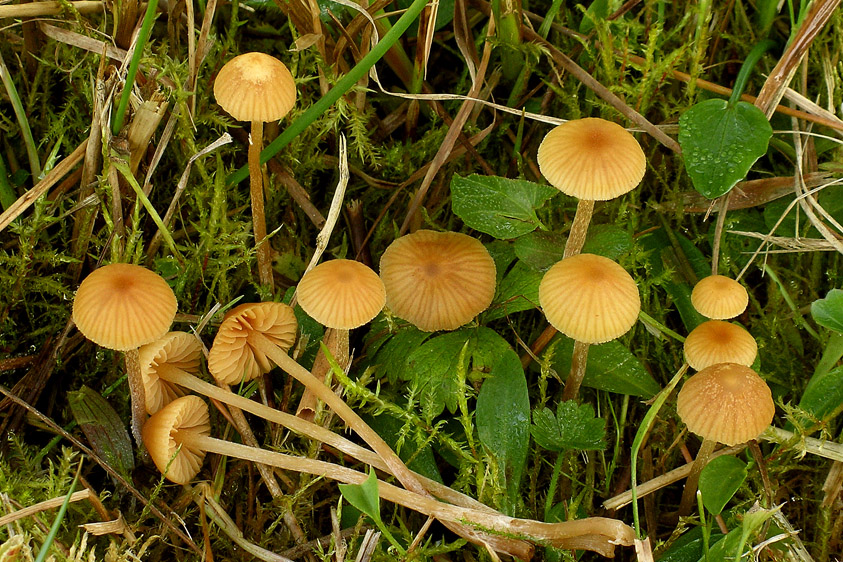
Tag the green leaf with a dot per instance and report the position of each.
(503, 417)
(501, 207)
(540, 249)
(364, 496)
(828, 312)
(518, 291)
(597, 10)
(824, 393)
(419, 457)
(607, 240)
(104, 429)
(720, 143)
(573, 427)
(393, 357)
(611, 367)
(719, 480)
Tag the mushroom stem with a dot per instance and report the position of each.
(335, 341)
(396, 466)
(302, 427)
(137, 393)
(579, 228)
(556, 534)
(689, 496)
(258, 214)
(579, 359)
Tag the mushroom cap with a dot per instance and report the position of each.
(160, 435)
(123, 306)
(341, 294)
(719, 297)
(589, 298)
(232, 359)
(437, 280)
(591, 159)
(255, 87)
(716, 342)
(178, 350)
(727, 403)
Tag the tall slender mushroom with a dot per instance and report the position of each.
(719, 297)
(256, 87)
(178, 437)
(726, 403)
(437, 280)
(122, 307)
(590, 299)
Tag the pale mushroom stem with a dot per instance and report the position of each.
(396, 465)
(689, 496)
(258, 213)
(579, 228)
(336, 342)
(610, 530)
(137, 393)
(579, 359)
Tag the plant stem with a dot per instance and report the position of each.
(554, 480)
(26, 132)
(258, 213)
(143, 36)
(343, 85)
(748, 64)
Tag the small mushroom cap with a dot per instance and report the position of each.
(716, 342)
(341, 294)
(232, 359)
(719, 297)
(255, 87)
(727, 403)
(589, 298)
(160, 435)
(437, 280)
(123, 306)
(591, 159)
(177, 350)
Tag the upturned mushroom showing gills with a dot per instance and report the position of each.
(256, 87)
(437, 280)
(726, 403)
(122, 307)
(719, 297)
(590, 299)
(178, 438)
(593, 160)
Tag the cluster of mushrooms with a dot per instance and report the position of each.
(434, 280)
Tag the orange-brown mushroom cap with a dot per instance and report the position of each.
(160, 435)
(589, 298)
(232, 359)
(179, 350)
(719, 297)
(591, 159)
(123, 306)
(727, 403)
(255, 87)
(716, 342)
(437, 280)
(341, 294)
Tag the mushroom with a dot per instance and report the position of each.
(437, 280)
(122, 307)
(715, 341)
(726, 403)
(719, 297)
(590, 159)
(256, 87)
(590, 299)
(178, 437)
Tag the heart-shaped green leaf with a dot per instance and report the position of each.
(720, 143)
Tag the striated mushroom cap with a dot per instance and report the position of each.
(341, 294)
(123, 306)
(255, 87)
(589, 298)
(437, 280)
(716, 342)
(591, 159)
(232, 359)
(160, 436)
(719, 297)
(727, 403)
(177, 350)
